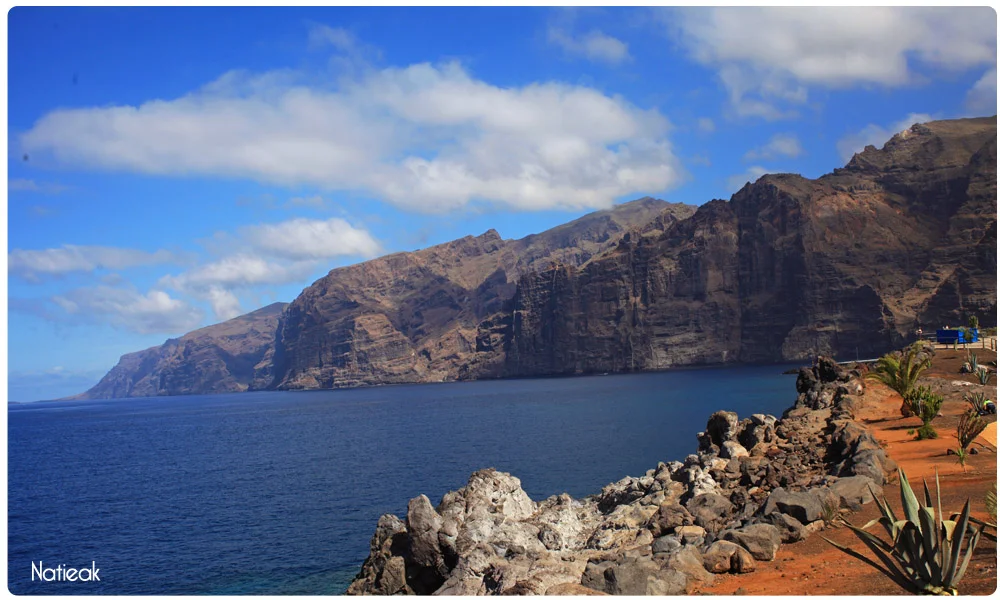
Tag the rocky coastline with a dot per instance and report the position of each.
(752, 485)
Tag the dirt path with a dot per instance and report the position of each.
(815, 567)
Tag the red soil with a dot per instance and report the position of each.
(815, 567)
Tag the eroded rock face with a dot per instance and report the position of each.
(845, 264)
(437, 314)
(218, 359)
(664, 532)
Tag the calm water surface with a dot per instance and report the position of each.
(279, 492)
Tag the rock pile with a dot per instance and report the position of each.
(754, 484)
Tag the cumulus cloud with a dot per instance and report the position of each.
(153, 312)
(767, 57)
(305, 239)
(593, 45)
(982, 98)
(876, 135)
(751, 175)
(32, 265)
(780, 145)
(268, 255)
(425, 137)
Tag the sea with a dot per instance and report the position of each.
(279, 492)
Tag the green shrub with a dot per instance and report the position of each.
(924, 553)
(927, 432)
(901, 370)
(973, 322)
(970, 425)
(977, 400)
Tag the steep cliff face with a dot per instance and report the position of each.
(427, 315)
(846, 264)
(213, 360)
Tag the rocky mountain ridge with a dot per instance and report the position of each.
(849, 264)
(216, 359)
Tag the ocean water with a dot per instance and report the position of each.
(279, 492)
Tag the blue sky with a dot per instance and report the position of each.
(172, 167)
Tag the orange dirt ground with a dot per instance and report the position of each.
(813, 567)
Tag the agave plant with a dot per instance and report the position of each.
(991, 508)
(970, 425)
(973, 362)
(983, 375)
(900, 371)
(991, 503)
(977, 400)
(924, 554)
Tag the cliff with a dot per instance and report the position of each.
(213, 360)
(753, 485)
(848, 264)
(436, 314)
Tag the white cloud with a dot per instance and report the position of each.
(225, 304)
(338, 37)
(780, 144)
(269, 255)
(241, 270)
(751, 175)
(876, 135)
(982, 98)
(593, 45)
(425, 137)
(768, 56)
(33, 264)
(707, 125)
(306, 239)
(30, 185)
(153, 312)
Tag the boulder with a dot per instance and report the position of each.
(666, 543)
(760, 539)
(710, 511)
(424, 522)
(804, 506)
(727, 557)
(572, 589)
(689, 561)
(690, 534)
(624, 491)
(671, 516)
(722, 426)
(733, 449)
(634, 577)
(853, 492)
(392, 579)
(790, 529)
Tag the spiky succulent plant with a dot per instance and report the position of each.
(924, 554)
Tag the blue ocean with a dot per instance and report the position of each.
(279, 492)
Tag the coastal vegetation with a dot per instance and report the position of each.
(924, 553)
(925, 404)
(970, 426)
(900, 372)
